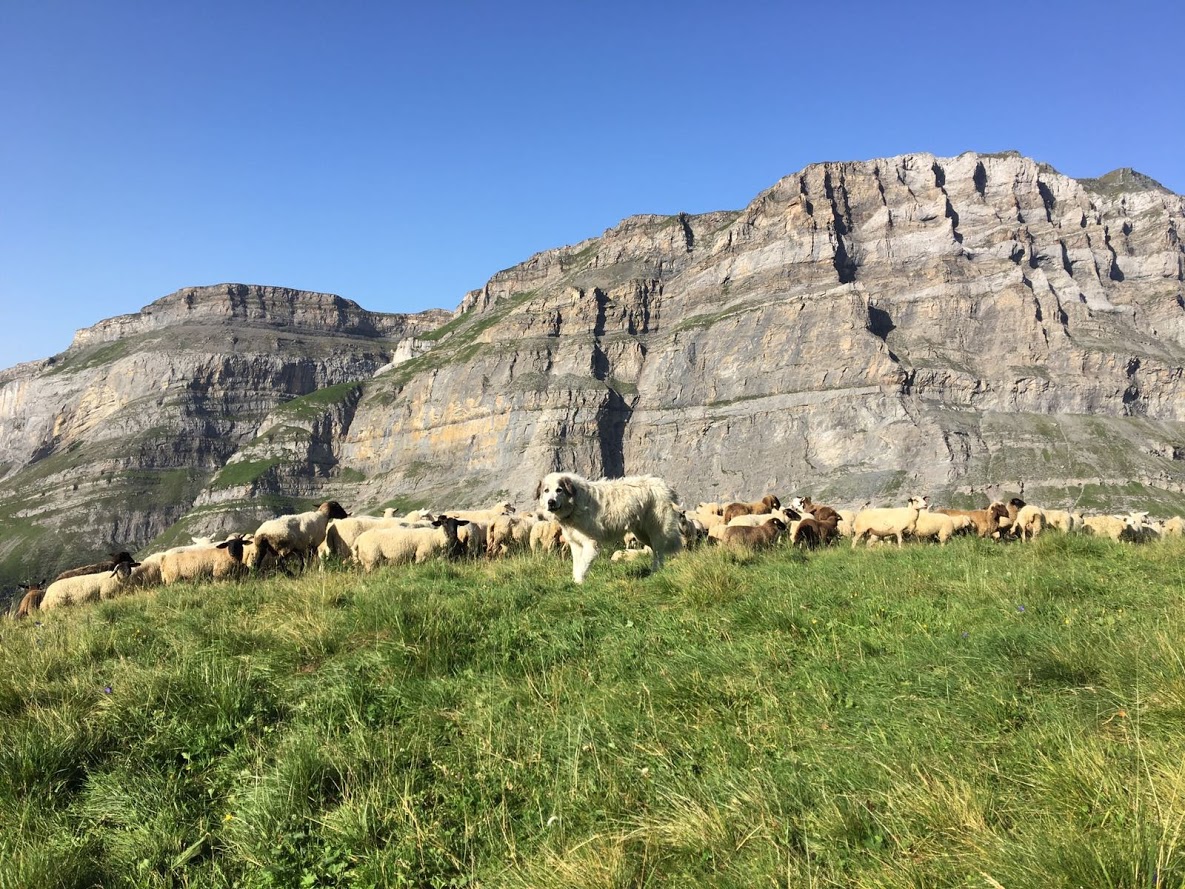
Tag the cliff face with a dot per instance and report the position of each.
(965, 327)
(107, 444)
(860, 330)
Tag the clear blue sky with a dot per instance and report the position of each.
(400, 154)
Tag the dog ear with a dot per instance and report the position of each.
(567, 486)
(539, 489)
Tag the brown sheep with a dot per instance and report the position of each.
(768, 503)
(758, 537)
(31, 601)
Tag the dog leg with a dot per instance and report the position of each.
(580, 563)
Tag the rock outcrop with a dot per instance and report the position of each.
(952, 325)
(109, 443)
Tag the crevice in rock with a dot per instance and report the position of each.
(688, 234)
(939, 176)
(845, 267)
(953, 216)
(980, 179)
(1047, 199)
(1115, 273)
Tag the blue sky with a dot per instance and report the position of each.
(400, 154)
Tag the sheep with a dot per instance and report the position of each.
(340, 534)
(85, 588)
(473, 534)
(1105, 526)
(693, 529)
(401, 545)
(986, 522)
(888, 522)
(632, 554)
(937, 526)
(811, 531)
(1062, 520)
(508, 533)
(1174, 526)
(1029, 522)
(758, 537)
(485, 516)
(752, 520)
(824, 524)
(31, 600)
(711, 509)
(298, 534)
(217, 562)
(104, 567)
(546, 536)
(768, 503)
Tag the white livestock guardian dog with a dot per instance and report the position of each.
(596, 512)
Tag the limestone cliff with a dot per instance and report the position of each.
(965, 327)
(110, 442)
(860, 330)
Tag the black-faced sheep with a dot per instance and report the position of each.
(399, 546)
(295, 535)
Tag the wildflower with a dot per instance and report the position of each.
(227, 817)
(1020, 608)
(965, 634)
(107, 690)
(37, 623)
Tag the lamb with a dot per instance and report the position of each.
(399, 546)
(768, 503)
(888, 522)
(758, 537)
(474, 535)
(298, 534)
(85, 588)
(217, 562)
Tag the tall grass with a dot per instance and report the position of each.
(972, 715)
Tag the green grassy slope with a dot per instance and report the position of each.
(974, 715)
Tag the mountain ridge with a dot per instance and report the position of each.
(969, 325)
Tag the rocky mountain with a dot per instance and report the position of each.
(965, 326)
(111, 442)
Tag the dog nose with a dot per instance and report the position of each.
(551, 505)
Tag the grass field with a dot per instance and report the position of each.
(977, 715)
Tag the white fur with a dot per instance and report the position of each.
(592, 513)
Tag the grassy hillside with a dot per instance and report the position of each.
(975, 715)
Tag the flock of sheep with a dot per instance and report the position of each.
(295, 541)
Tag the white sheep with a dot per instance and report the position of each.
(298, 534)
(1029, 522)
(84, 588)
(938, 526)
(547, 536)
(1062, 520)
(508, 533)
(888, 522)
(1174, 527)
(219, 561)
(398, 546)
(340, 534)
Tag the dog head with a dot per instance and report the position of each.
(556, 494)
